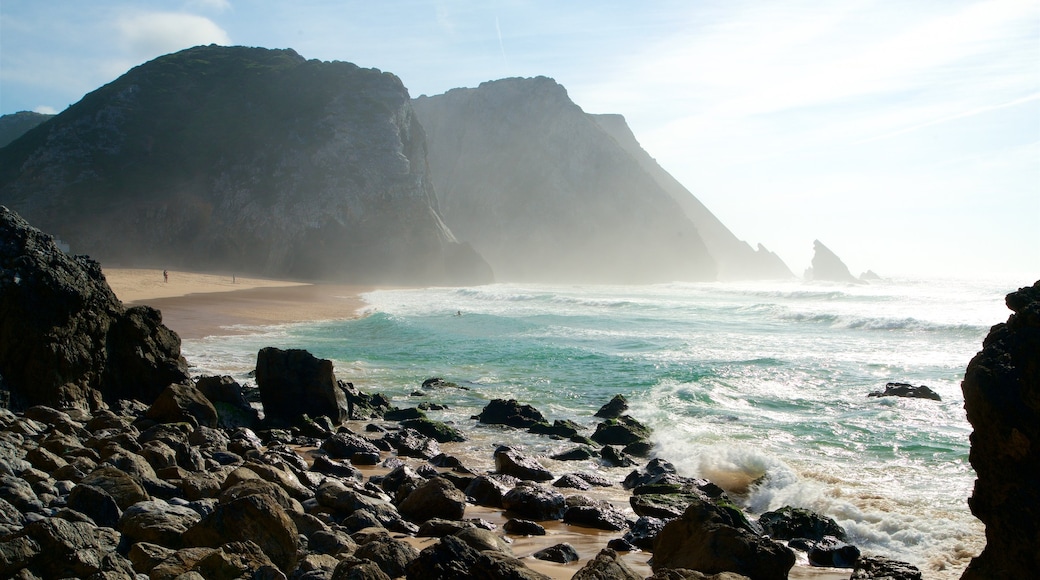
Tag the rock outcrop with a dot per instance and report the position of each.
(544, 193)
(243, 159)
(17, 124)
(65, 339)
(1002, 398)
(828, 267)
(294, 383)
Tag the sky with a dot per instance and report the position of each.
(903, 134)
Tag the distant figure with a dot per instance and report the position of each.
(165, 276)
(458, 313)
(232, 278)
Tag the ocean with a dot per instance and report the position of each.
(760, 387)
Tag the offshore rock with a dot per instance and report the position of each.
(906, 390)
(294, 383)
(324, 181)
(828, 267)
(789, 522)
(65, 339)
(511, 413)
(1002, 398)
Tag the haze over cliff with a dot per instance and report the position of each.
(241, 158)
(544, 193)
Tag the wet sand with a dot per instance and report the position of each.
(196, 305)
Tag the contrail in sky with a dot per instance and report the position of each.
(501, 45)
(953, 117)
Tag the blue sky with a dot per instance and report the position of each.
(905, 135)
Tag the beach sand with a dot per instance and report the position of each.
(196, 305)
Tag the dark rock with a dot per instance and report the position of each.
(257, 518)
(789, 522)
(621, 431)
(665, 506)
(410, 443)
(521, 527)
(833, 553)
(572, 481)
(879, 568)
(392, 556)
(614, 409)
(19, 493)
(437, 498)
(638, 449)
(606, 564)
(602, 516)
(235, 560)
(145, 556)
(439, 383)
(684, 574)
(487, 490)
(510, 413)
(1002, 398)
(17, 553)
(643, 532)
(562, 553)
(511, 462)
(438, 431)
(362, 405)
(65, 339)
(233, 409)
(95, 503)
(483, 540)
(453, 558)
(580, 453)
(323, 464)
(332, 542)
(535, 502)
(439, 527)
(344, 445)
(614, 457)
(403, 414)
(74, 549)
(357, 569)
(294, 383)
(561, 429)
(906, 390)
(179, 403)
(156, 522)
(712, 539)
(117, 484)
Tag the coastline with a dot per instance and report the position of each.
(196, 305)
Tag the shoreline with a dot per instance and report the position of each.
(196, 305)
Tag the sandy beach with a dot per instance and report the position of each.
(196, 305)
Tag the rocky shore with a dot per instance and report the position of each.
(306, 476)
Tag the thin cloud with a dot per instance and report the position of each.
(953, 117)
(149, 35)
(217, 6)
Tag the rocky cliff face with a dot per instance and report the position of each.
(15, 125)
(544, 193)
(1002, 399)
(736, 259)
(246, 159)
(65, 339)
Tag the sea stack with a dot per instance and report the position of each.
(827, 266)
(1002, 399)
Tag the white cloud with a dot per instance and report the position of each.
(149, 35)
(217, 6)
(46, 110)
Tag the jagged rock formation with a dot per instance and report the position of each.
(1002, 398)
(17, 124)
(544, 193)
(245, 159)
(65, 339)
(736, 259)
(828, 267)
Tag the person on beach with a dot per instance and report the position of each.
(165, 276)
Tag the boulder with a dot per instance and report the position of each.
(121, 487)
(511, 462)
(880, 568)
(438, 431)
(257, 518)
(606, 564)
(623, 430)
(156, 522)
(643, 532)
(95, 503)
(602, 516)
(233, 409)
(614, 409)
(66, 341)
(437, 498)
(294, 383)
(510, 413)
(487, 490)
(563, 553)
(906, 390)
(392, 556)
(833, 553)
(572, 481)
(534, 502)
(179, 403)
(410, 443)
(789, 522)
(710, 539)
(453, 558)
(1002, 398)
(521, 527)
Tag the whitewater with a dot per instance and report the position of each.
(761, 387)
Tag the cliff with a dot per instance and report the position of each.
(544, 193)
(828, 267)
(15, 125)
(736, 259)
(1002, 399)
(65, 339)
(242, 159)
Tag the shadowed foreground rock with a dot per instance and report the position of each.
(1002, 399)
(294, 383)
(65, 339)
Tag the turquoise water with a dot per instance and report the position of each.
(761, 387)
